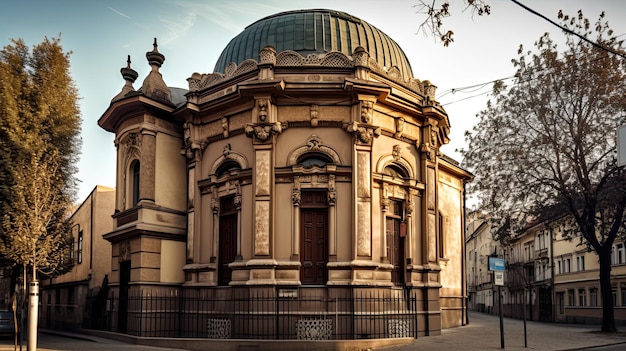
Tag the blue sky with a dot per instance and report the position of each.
(191, 34)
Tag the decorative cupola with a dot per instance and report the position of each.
(154, 86)
(129, 75)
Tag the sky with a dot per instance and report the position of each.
(192, 33)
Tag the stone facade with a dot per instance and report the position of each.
(312, 172)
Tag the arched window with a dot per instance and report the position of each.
(226, 167)
(395, 171)
(134, 186)
(309, 160)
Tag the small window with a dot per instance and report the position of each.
(79, 255)
(593, 297)
(135, 169)
(582, 298)
(395, 171)
(227, 167)
(314, 159)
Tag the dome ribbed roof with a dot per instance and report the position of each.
(314, 31)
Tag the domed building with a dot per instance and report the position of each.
(305, 171)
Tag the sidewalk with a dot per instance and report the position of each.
(483, 333)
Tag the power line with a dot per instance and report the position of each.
(567, 30)
(482, 85)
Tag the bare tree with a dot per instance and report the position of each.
(548, 141)
(436, 12)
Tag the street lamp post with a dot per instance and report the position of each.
(33, 304)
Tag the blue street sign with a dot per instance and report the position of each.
(496, 264)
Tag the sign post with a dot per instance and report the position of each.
(621, 145)
(497, 265)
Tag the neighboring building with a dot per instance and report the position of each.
(554, 277)
(308, 164)
(67, 300)
(529, 275)
(479, 246)
(577, 296)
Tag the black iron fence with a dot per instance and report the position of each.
(267, 314)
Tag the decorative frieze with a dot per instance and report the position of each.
(363, 244)
(262, 228)
(263, 171)
(363, 174)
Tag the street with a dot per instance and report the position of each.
(47, 342)
(483, 333)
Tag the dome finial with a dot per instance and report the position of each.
(129, 75)
(154, 86)
(155, 58)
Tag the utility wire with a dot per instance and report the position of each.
(482, 85)
(567, 30)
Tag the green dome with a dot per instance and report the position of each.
(314, 31)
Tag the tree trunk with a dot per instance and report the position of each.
(608, 314)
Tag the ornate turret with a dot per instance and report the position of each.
(129, 75)
(154, 86)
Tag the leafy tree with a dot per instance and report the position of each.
(39, 143)
(548, 141)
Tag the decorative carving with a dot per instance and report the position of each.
(429, 90)
(398, 328)
(262, 109)
(133, 140)
(430, 188)
(124, 253)
(314, 329)
(367, 111)
(384, 204)
(331, 59)
(267, 55)
(263, 170)
(187, 133)
(225, 127)
(332, 192)
(396, 153)
(361, 57)
(364, 174)
(363, 244)
(261, 228)
(227, 150)
(237, 201)
(432, 243)
(313, 143)
(190, 147)
(399, 127)
(429, 151)
(364, 134)
(410, 204)
(296, 196)
(218, 328)
(263, 132)
(215, 203)
(314, 115)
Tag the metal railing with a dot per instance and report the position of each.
(264, 314)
